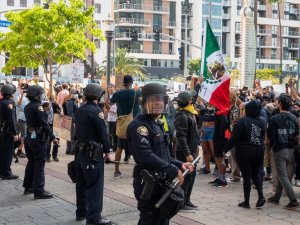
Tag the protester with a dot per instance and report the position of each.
(248, 139)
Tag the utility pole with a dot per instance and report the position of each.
(92, 53)
(298, 75)
(186, 9)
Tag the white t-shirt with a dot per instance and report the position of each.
(112, 115)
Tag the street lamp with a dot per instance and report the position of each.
(109, 27)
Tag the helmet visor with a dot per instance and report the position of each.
(155, 105)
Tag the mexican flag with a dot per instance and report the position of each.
(215, 87)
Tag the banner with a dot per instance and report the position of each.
(62, 126)
(215, 87)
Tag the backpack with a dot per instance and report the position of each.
(291, 129)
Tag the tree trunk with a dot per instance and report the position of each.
(51, 77)
(280, 39)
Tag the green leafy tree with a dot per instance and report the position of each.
(280, 34)
(268, 74)
(194, 66)
(56, 35)
(125, 64)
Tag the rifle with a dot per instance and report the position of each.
(173, 186)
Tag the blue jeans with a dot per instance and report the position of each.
(284, 164)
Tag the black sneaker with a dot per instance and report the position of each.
(48, 159)
(43, 195)
(273, 200)
(204, 171)
(10, 177)
(190, 204)
(55, 159)
(28, 191)
(187, 209)
(260, 203)
(244, 205)
(292, 205)
(214, 181)
(220, 184)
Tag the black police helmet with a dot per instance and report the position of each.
(153, 89)
(7, 89)
(34, 91)
(93, 90)
(183, 98)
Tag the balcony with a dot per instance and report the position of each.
(128, 7)
(158, 52)
(227, 3)
(189, 25)
(289, 58)
(126, 36)
(261, 7)
(292, 34)
(294, 46)
(262, 32)
(237, 43)
(132, 22)
(170, 24)
(225, 29)
(226, 16)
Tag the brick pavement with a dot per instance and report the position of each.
(216, 205)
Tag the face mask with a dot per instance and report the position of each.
(102, 100)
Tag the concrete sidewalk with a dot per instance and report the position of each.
(216, 205)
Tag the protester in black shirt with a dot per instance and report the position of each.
(248, 137)
(283, 134)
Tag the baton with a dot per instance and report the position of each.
(173, 186)
(120, 162)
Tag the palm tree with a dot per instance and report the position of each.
(280, 34)
(124, 65)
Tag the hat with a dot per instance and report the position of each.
(127, 80)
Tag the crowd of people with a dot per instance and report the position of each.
(257, 140)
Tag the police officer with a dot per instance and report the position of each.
(8, 132)
(38, 132)
(92, 143)
(150, 148)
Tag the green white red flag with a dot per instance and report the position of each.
(215, 87)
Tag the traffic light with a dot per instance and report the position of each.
(156, 35)
(181, 57)
(134, 35)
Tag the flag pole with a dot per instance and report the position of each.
(203, 50)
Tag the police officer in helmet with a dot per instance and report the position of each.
(92, 143)
(38, 133)
(150, 147)
(8, 132)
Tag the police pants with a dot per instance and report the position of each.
(149, 215)
(189, 180)
(49, 144)
(35, 169)
(89, 187)
(6, 154)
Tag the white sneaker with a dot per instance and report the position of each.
(297, 183)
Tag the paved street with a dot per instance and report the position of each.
(216, 205)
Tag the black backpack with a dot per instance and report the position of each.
(291, 129)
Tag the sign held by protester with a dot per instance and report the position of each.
(77, 73)
(62, 126)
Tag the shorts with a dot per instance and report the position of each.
(22, 128)
(122, 143)
(207, 134)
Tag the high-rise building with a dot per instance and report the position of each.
(268, 36)
(141, 26)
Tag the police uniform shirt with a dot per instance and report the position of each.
(8, 114)
(36, 117)
(90, 126)
(149, 147)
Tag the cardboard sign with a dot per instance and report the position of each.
(77, 73)
(62, 126)
(265, 83)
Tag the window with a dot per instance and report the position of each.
(239, 3)
(23, 3)
(285, 42)
(274, 29)
(145, 62)
(37, 2)
(157, 20)
(165, 63)
(154, 62)
(10, 2)
(97, 8)
(238, 12)
(287, 7)
(156, 48)
(216, 23)
(216, 10)
(286, 16)
(274, 42)
(98, 23)
(274, 6)
(238, 26)
(274, 15)
(273, 54)
(172, 63)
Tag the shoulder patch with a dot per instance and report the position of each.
(41, 109)
(101, 115)
(142, 130)
(10, 106)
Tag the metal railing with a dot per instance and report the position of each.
(291, 33)
(225, 29)
(189, 25)
(227, 3)
(170, 24)
(151, 52)
(226, 16)
(133, 21)
(139, 7)
(142, 36)
(294, 45)
(261, 7)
